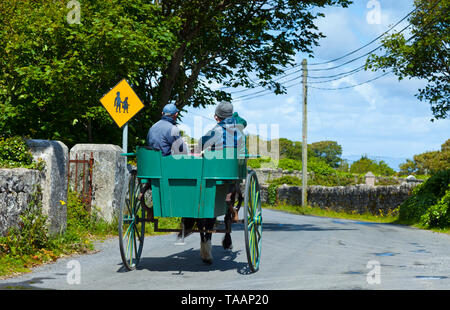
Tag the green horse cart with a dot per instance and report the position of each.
(187, 186)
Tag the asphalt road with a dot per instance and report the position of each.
(298, 252)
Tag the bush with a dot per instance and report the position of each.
(365, 164)
(320, 167)
(417, 208)
(438, 215)
(256, 163)
(32, 233)
(290, 164)
(287, 179)
(15, 153)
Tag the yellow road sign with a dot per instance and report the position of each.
(122, 103)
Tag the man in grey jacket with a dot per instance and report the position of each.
(164, 135)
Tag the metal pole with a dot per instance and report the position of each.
(125, 138)
(304, 141)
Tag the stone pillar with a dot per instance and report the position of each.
(370, 179)
(17, 188)
(109, 177)
(53, 181)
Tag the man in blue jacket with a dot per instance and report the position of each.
(164, 135)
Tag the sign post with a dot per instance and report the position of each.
(122, 104)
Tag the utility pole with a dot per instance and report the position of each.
(304, 131)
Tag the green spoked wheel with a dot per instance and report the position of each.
(252, 221)
(132, 225)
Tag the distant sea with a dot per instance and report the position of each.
(392, 162)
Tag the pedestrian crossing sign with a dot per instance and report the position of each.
(122, 103)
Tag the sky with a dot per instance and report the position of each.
(380, 119)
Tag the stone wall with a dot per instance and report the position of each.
(358, 198)
(17, 187)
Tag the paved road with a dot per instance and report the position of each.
(299, 252)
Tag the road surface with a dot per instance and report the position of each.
(298, 252)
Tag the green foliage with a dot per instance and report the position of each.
(428, 162)
(257, 163)
(423, 55)
(336, 179)
(15, 153)
(31, 244)
(438, 215)
(54, 73)
(315, 165)
(287, 179)
(329, 151)
(427, 203)
(320, 167)
(290, 164)
(272, 192)
(32, 233)
(365, 164)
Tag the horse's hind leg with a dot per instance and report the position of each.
(205, 239)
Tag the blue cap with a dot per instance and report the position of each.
(170, 109)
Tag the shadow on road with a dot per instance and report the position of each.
(24, 285)
(291, 227)
(190, 261)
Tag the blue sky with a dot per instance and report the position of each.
(382, 118)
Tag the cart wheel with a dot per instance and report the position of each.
(252, 221)
(132, 225)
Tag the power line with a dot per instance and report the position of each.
(348, 54)
(339, 75)
(374, 40)
(352, 86)
(330, 61)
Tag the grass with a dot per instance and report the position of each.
(367, 217)
(316, 211)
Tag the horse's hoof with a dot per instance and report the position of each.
(227, 243)
(207, 261)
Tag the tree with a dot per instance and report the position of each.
(53, 73)
(428, 162)
(365, 164)
(330, 151)
(424, 55)
(226, 41)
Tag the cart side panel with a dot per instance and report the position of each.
(156, 197)
(181, 186)
(148, 163)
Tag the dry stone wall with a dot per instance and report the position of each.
(359, 198)
(17, 187)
